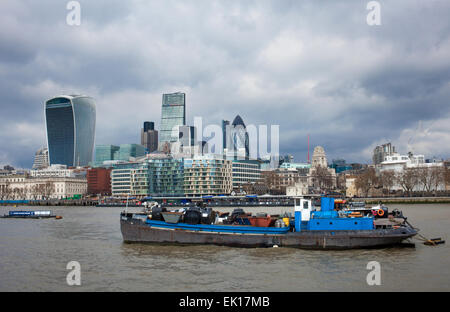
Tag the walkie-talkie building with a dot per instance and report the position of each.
(173, 114)
(70, 123)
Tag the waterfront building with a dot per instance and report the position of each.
(24, 187)
(41, 159)
(12, 186)
(153, 175)
(173, 114)
(99, 181)
(381, 152)
(166, 176)
(245, 171)
(70, 121)
(125, 177)
(207, 175)
(149, 137)
(398, 163)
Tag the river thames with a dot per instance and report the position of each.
(34, 255)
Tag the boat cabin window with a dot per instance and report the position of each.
(306, 204)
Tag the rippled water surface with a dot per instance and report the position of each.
(34, 255)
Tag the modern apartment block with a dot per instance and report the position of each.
(168, 176)
(70, 121)
(207, 175)
(245, 171)
(380, 152)
(151, 176)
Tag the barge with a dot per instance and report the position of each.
(36, 214)
(310, 228)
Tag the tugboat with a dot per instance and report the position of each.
(310, 228)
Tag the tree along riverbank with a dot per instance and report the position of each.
(404, 200)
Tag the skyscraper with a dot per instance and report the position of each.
(238, 139)
(149, 137)
(225, 124)
(173, 114)
(70, 123)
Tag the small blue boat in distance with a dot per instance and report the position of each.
(33, 214)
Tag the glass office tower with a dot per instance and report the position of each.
(105, 153)
(225, 131)
(173, 114)
(239, 137)
(70, 123)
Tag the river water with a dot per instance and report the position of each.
(34, 255)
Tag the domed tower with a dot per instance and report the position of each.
(319, 158)
(239, 136)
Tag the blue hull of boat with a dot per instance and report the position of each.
(238, 229)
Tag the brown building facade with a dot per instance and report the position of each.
(99, 181)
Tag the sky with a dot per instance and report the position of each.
(311, 67)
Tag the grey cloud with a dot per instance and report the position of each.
(308, 66)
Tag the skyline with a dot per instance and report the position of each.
(314, 68)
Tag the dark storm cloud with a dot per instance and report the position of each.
(308, 66)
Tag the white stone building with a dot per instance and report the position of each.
(398, 163)
(34, 188)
